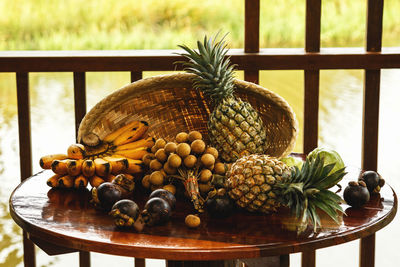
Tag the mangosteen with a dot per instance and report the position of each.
(125, 212)
(219, 204)
(356, 194)
(166, 195)
(109, 193)
(373, 180)
(156, 211)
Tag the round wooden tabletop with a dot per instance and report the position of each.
(67, 219)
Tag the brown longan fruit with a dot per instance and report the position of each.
(170, 187)
(198, 146)
(156, 178)
(182, 137)
(153, 149)
(207, 160)
(155, 165)
(219, 168)
(192, 221)
(174, 161)
(213, 151)
(147, 158)
(205, 175)
(163, 173)
(146, 182)
(160, 143)
(204, 188)
(168, 169)
(190, 161)
(195, 135)
(161, 155)
(170, 147)
(183, 150)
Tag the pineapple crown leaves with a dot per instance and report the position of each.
(214, 71)
(308, 189)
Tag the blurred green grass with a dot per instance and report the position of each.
(151, 24)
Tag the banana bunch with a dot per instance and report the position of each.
(97, 161)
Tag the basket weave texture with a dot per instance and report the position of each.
(170, 105)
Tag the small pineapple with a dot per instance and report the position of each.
(263, 183)
(234, 125)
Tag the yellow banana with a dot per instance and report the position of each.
(129, 176)
(74, 167)
(95, 200)
(96, 151)
(118, 165)
(95, 181)
(111, 137)
(76, 151)
(66, 181)
(135, 166)
(109, 178)
(136, 153)
(80, 182)
(53, 180)
(45, 161)
(88, 168)
(91, 139)
(102, 167)
(147, 142)
(132, 134)
(59, 166)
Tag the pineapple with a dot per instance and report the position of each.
(234, 126)
(263, 183)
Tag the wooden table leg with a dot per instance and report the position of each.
(275, 261)
(84, 259)
(227, 263)
(367, 251)
(308, 258)
(29, 252)
(139, 262)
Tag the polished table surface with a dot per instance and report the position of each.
(61, 221)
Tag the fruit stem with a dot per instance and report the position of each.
(189, 179)
(192, 188)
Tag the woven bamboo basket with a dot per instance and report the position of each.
(170, 105)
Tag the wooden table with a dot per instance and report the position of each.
(62, 221)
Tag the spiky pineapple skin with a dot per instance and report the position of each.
(235, 126)
(252, 181)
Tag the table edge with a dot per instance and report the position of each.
(244, 251)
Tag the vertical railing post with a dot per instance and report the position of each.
(79, 98)
(311, 94)
(25, 151)
(372, 79)
(252, 35)
(311, 77)
(135, 76)
(80, 111)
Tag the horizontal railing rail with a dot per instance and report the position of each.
(164, 60)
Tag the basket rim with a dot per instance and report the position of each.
(166, 81)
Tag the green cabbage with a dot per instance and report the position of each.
(329, 156)
(292, 161)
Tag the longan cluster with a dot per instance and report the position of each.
(169, 160)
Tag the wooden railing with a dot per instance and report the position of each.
(251, 59)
